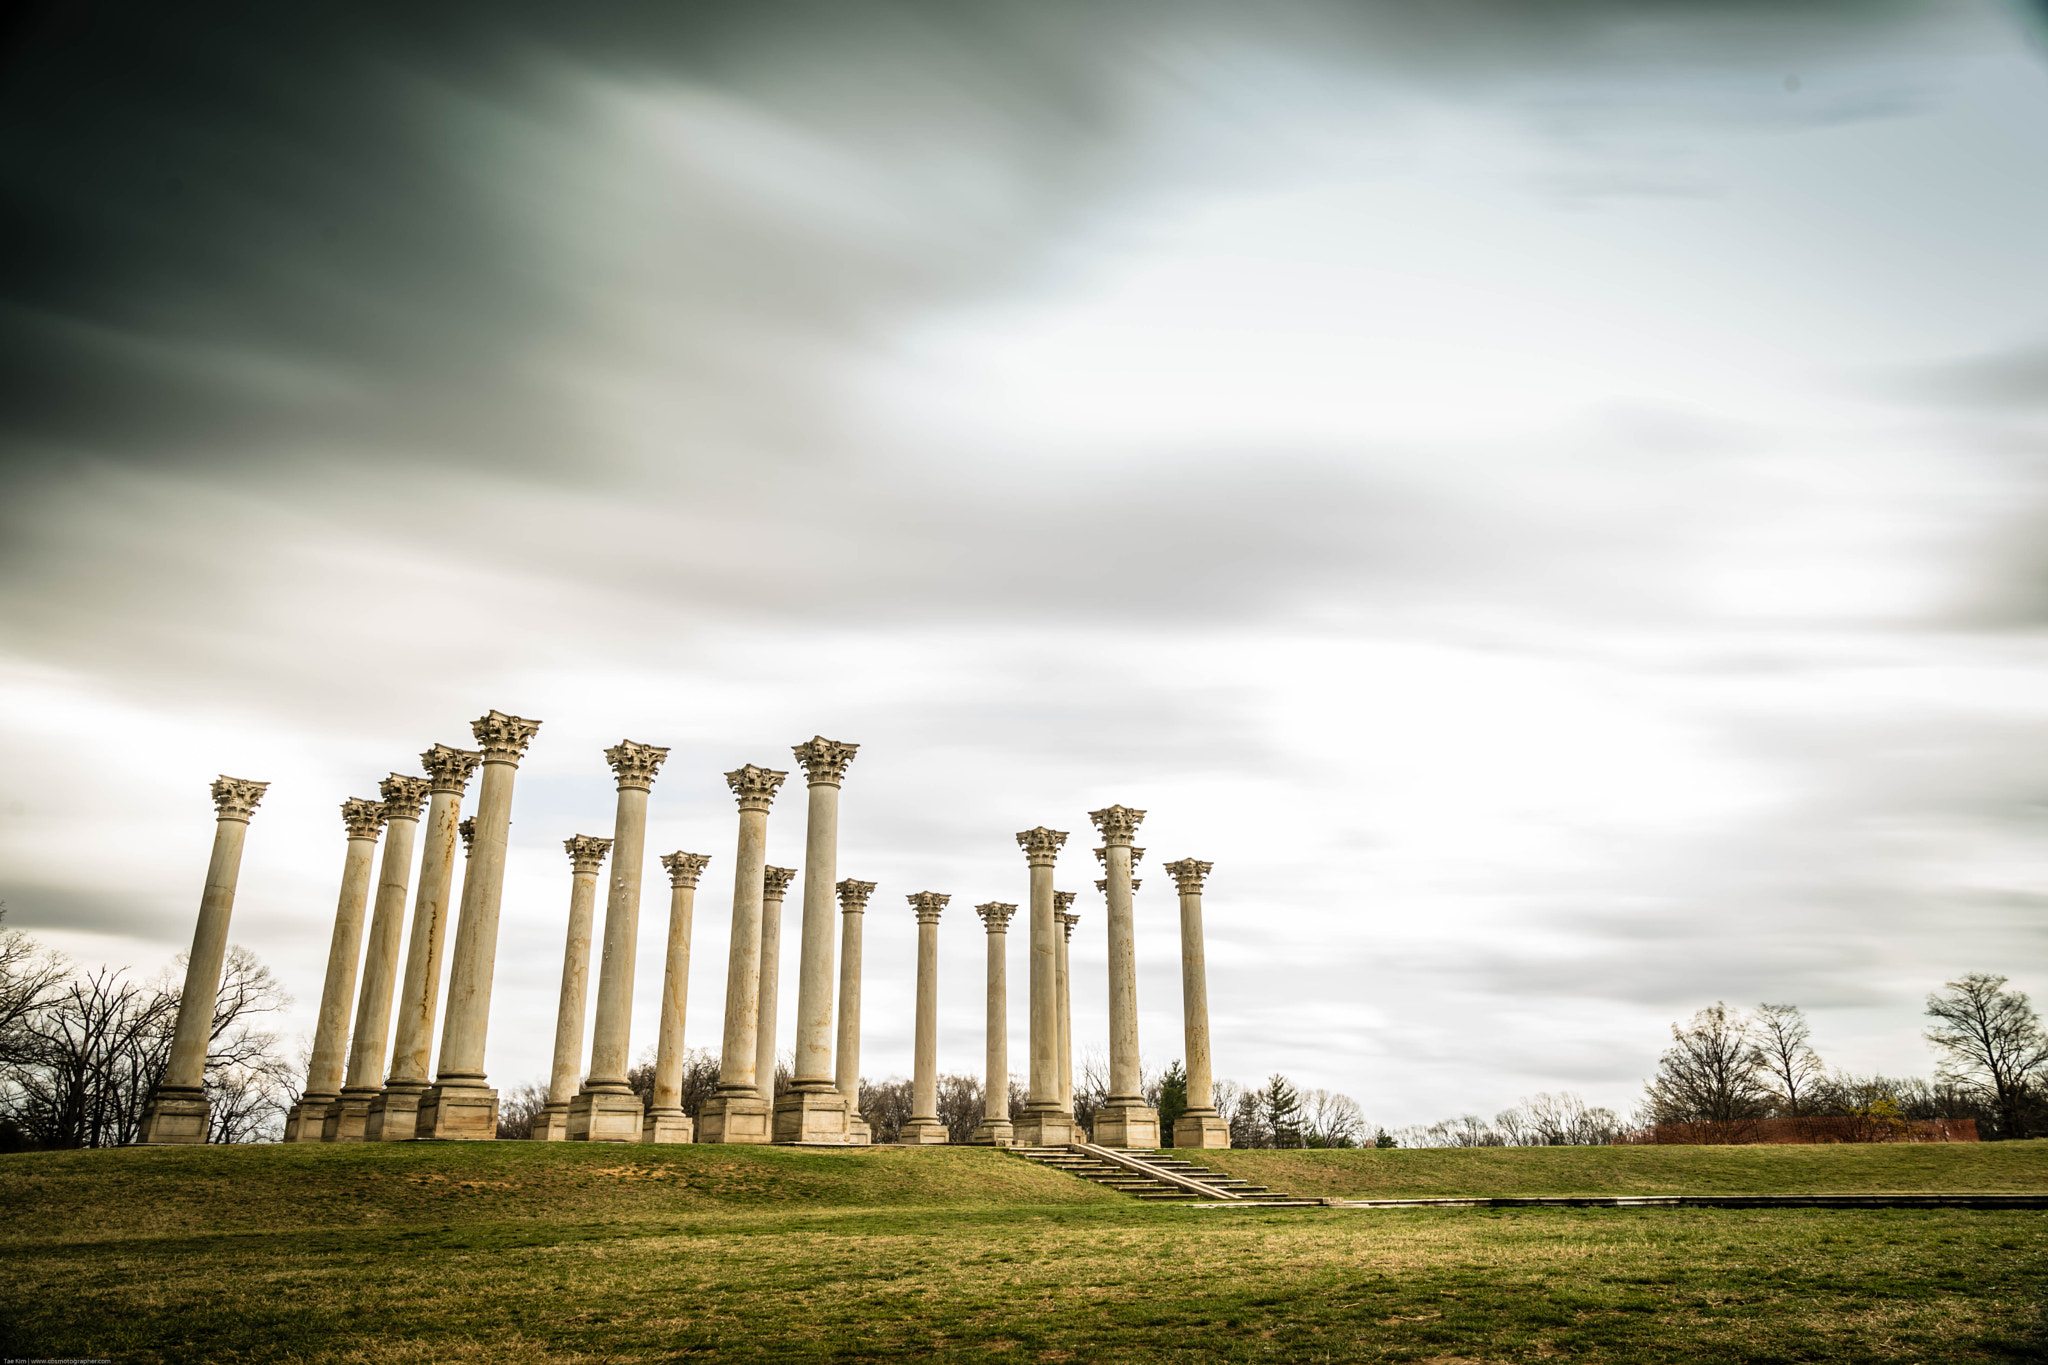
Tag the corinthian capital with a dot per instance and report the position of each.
(1117, 823)
(824, 760)
(1102, 884)
(363, 819)
(467, 829)
(1187, 874)
(1067, 923)
(928, 904)
(995, 916)
(853, 896)
(775, 882)
(504, 738)
(755, 787)
(235, 798)
(1102, 856)
(634, 764)
(586, 852)
(403, 795)
(1063, 901)
(1041, 846)
(450, 768)
(685, 868)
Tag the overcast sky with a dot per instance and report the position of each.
(1549, 498)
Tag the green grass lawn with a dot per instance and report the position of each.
(429, 1252)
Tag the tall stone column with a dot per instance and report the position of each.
(923, 1127)
(1046, 1123)
(607, 1110)
(1125, 1120)
(774, 890)
(178, 1112)
(304, 1121)
(813, 1110)
(1201, 1126)
(394, 1113)
(995, 1129)
(853, 905)
(586, 860)
(460, 1105)
(348, 1118)
(1062, 905)
(736, 1113)
(666, 1122)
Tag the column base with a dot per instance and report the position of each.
(858, 1133)
(394, 1115)
(303, 1121)
(1201, 1130)
(811, 1116)
(551, 1124)
(1130, 1124)
(348, 1118)
(177, 1118)
(1047, 1127)
(604, 1116)
(924, 1133)
(667, 1126)
(742, 1116)
(458, 1113)
(993, 1133)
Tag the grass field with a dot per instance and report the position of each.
(427, 1252)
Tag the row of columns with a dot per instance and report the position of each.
(343, 1100)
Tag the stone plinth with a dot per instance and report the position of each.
(601, 1116)
(176, 1119)
(1201, 1130)
(670, 1126)
(735, 1118)
(924, 1133)
(551, 1125)
(451, 1113)
(347, 1119)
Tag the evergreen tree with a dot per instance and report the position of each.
(1173, 1100)
(1283, 1112)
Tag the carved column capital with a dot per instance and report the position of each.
(1187, 874)
(450, 768)
(995, 916)
(363, 819)
(1041, 845)
(1063, 901)
(775, 882)
(685, 868)
(1067, 923)
(235, 798)
(586, 852)
(928, 903)
(1137, 856)
(403, 795)
(1117, 823)
(1102, 884)
(853, 896)
(755, 787)
(634, 764)
(824, 760)
(467, 829)
(504, 738)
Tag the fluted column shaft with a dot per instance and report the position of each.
(364, 821)
(586, 862)
(411, 1049)
(234, 801)
(372, 1033)
(774, 891)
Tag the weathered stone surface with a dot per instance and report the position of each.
(601, 1116)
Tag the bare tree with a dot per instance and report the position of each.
(699, 1079)
(1990, 1039)
(1224, 1097)
(1711, 1074)
(30, 975)
(1091, 1089)
(1566, 1120)
(886, 1107)
(1329, 1119)
(1791, 1063)
(520, 1105)
(960, 1106)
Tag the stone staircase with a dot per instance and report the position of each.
(1178, 1180)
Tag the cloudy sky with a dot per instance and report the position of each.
(1549, 498)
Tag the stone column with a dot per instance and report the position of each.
(774, 890)
(1046, 1123)
(1125, 1120)
(607, 1110)
(853, 905)
(1201, 1126)
(666, 1122)
(178, 1111)
(348, 1118)
(995, 1129)
(1062, 905)
(460, 1105)
(306, 1120)
(923, 1127)
(394, 1113)
(736, 1112)
(813, 1110)
(586, 860)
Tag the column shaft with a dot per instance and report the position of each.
(306, 1122)
(814, 1110)
(737, 1113)
(995, 1128)
(665, 1120)
(924, 1084)
(774, 891)
(846, 1057)
(1201, 1126)
(1125, 1120)
(610, 1040)
(372, 1033)
(1066, 1008)
(586, 862)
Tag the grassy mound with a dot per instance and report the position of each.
(1887, 1168)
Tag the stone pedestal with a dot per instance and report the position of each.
(1201, 1126)
(814, 1110)
(672, 1126)
(1124, 1120)
(304, 1122)
(995, 1129)
(551, 1125)
(811, 1116)
(450, 1112)
(737, 1113)
(665, 1120)
(178, 1111)
(1201, 1130)
(347, 1119)
(601, 1116)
